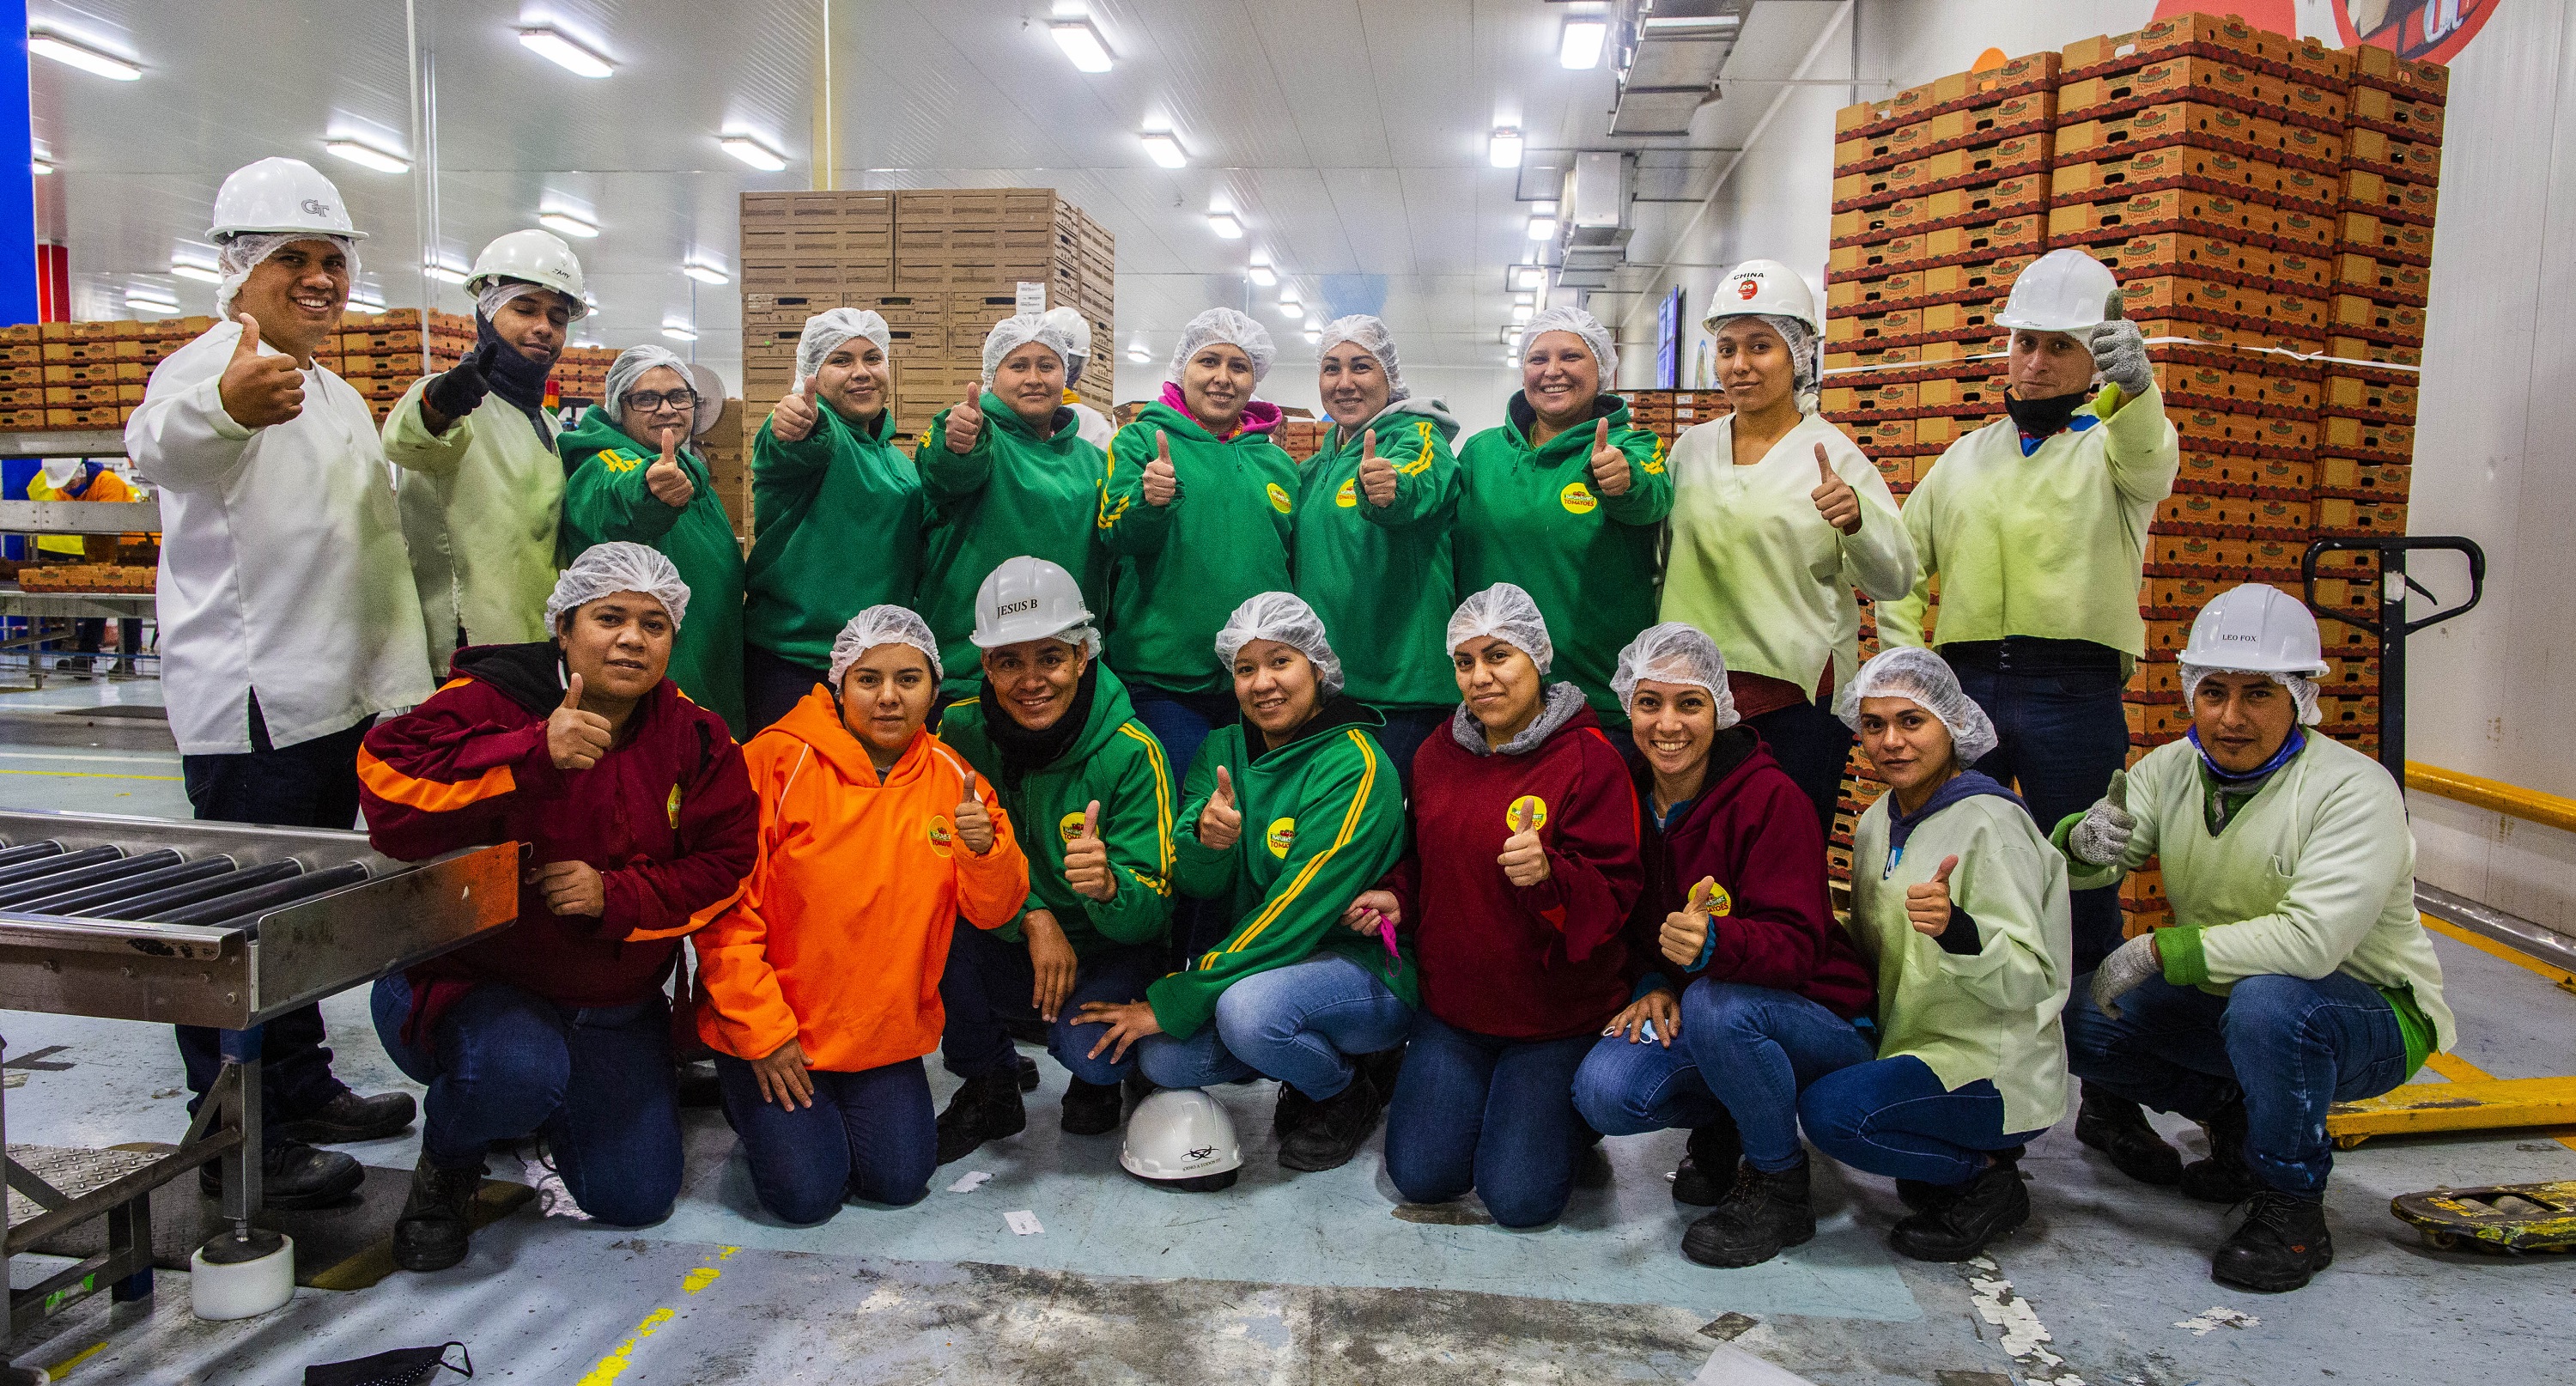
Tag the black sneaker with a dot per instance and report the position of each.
(1708, 1163)
(293, 1175)
(350, 1117)
(1332, 1130)
(2224, 1177)
(987, 1107)
(1090, 1109)
(1762, 1215)
(437, 1221)
(1028, 1073)
(2281, 1245)
(2117, 1127)
(1983, 1209)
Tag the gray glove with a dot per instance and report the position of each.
(2104, 834)
(2131, 963)
(2120, 354)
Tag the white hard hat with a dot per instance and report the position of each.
(536, 257)
(1182, 1139)
(1764, 288)
(2255, 628)
(280, 195)
(1075, 327)
(711, 399)
(1027, 599)
(2062, 291)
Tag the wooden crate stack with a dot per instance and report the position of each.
(59, 376)
(1669, 413)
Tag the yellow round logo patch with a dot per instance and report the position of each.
(1069, 827)
(1349, 495)
(1526, 812)
(673, 807)
(942, 833)
(1279, 498)
(1578, 499)
(1281, 836)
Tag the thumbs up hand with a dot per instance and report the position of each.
(1162, 484)
(1834, 497)
(966, 421)
(974, 823)
(1377, 475)
(1086, 860)
(1685, 933)
(259, 391)
(2103, 837)
(668, 483)
(575, 738)
(794, 418)
(1609, 464)
(1927, 906)
(1220, 823)
(1524, 858)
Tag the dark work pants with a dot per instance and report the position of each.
(2063, 735)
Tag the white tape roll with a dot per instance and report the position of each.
(242, 1290)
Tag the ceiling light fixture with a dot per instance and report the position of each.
(190, 269)
(752, 152)
(1521, 312)
(1081, 43)
(1542, 228)
(1523, 300)
(146, 296)
(554, 47)
(1504, 149)
(679, 331)
(1139, 354)
(705, 273)
(1315, 338)
(1579, 45)
(1226, 224)
(366, 300)
(80, 55)
(368, 156)
(1166, 148)
(1261, 274)
(567, 224)
(1529, 277)
(40, 165)
(444, 272)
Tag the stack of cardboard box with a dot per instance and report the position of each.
(61, 376)
(1669, 413)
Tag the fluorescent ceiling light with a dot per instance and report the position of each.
(1579, 46)
(1521, 312)
(567, 224)
(190, 269)
(752, 152)
(1531, 277)
(145, 296)
(564, 53)
(679, 332)
(1081, 43)
(443, 272)
(41, 166)
(1166, 148)
(705, 273)
(366, 300)
(1226, 224)
(1524, 299)
(1316, 338)
(1139, 355)
(1508, 334)
(82, 56)
(1542, 228)
(1261, 275)
(1504, 150)
(368, 156)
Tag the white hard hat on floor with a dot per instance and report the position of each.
(280, 195)
(1030, 599)
(2255, 628)
(1762, 288)
(2062, 291)
(1182, 1139)
(534, 257)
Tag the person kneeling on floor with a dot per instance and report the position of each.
(637, 812)
(819, 980)
(1051, 727)
(1959, 905)
(1759, 990)
(2297, 973)
(1286, 815)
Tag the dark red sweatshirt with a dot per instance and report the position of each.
(1522, 962)
(1755, 832)
(667, 818)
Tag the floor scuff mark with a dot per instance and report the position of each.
(2025, 1338)
(2213, 1318)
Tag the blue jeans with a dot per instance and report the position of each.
(1744, 1048)
(989, 980)
(1300, 1024)
(2293, 1047)
(1490, 1114)
(1181, 720)
(1893, 1117)
(1814, 746)
(868, 1135)
(1405, 730)
(2063, 734)
(596, 1083)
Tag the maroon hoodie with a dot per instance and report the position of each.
(1523, 962)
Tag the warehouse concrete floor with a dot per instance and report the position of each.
(1319, 1278)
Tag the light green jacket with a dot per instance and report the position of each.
(2314, 875)
(2048, 545)
(479, 506)
(1991, 1014)
(1754, 565)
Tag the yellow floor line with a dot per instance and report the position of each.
(2506, 951)
(60, 1369)
(2459, 1070)
(91, 775)
(612, 1366)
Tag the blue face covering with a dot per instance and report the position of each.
(2291, 745)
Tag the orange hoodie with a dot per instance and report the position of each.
(838, 936)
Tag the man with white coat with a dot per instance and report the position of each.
(1090, 424)
(287, 611)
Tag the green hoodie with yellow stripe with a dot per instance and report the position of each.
(1382, 576)
(1181, 569)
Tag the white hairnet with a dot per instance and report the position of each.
(1228, 326)
(1675, 652)
(883, 625)
(632, 365)
(825, 331)
(1605, 348)
(1077, 338)
(1508, 612)
(500, 291)
(238, 255)
(2303, 689)
(1020, 329)
(618, 566)
(1370, 335)
(1284, 617)
(1910, 671)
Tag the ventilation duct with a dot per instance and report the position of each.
(1669, 62)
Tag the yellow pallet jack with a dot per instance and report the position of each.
(2497, 1217)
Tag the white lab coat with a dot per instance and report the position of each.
(1093, 427)
(282, 561)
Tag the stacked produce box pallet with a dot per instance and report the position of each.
(1670, 413)
(58, 376)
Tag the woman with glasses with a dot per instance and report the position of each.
(630, 475)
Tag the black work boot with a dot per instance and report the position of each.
(349, 1117)
(1090, 1109)
(2281, 1245)
(1334, 1130)
(987, 1107)
(2224, 1177)
(1763, 1214)
(1708, 1163)
(1958, 1227)
(438, 1219)
(1292, 1111)
(293, 1175)
(2117, 1127)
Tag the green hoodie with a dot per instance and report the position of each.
(1115, 761)
(1179, 570)
(1533, 516)
(836, 529)
(1323, 819)
(605, 500)
(1381, 576)
(1013, 493)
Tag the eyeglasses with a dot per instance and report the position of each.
(651, 401)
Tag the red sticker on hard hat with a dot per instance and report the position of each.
(1746, 288)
